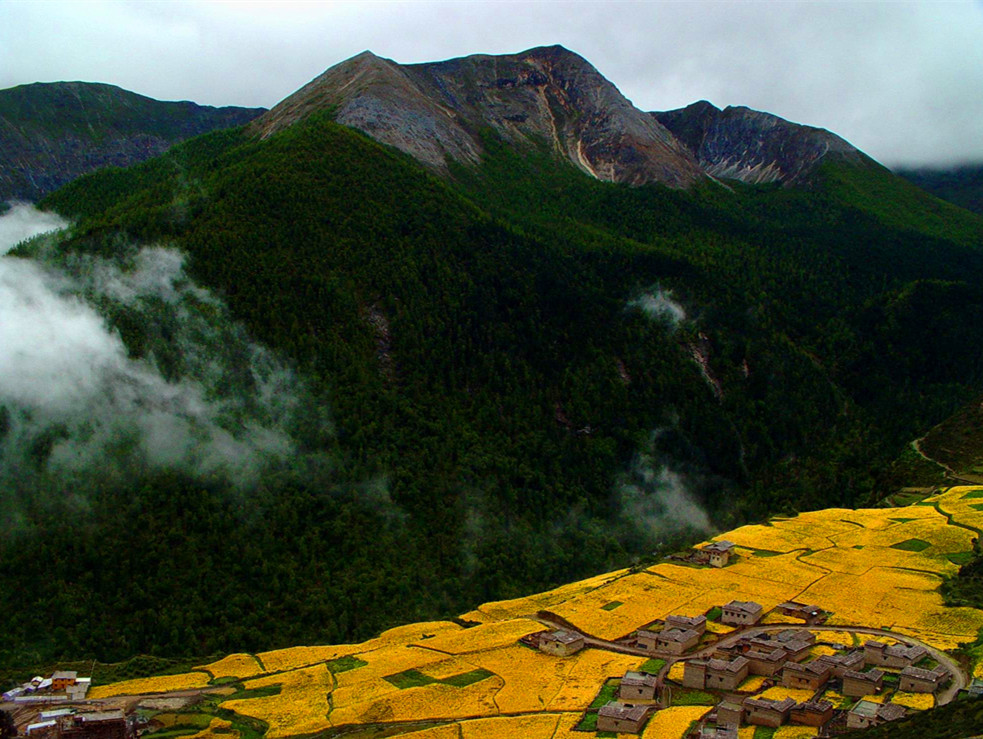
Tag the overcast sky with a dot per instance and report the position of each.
(901, 80)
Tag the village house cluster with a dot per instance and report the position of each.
(781, 655)
(59, 686)
(66, 723)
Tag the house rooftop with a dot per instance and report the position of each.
(678, 635)
(873, 675)
(562, 636)
(920, 674)
(745, 606)
(639, 679)
(64, 675)
(722, 665)
(623, 711)
(719, 546)
(814, 706)
(786, 704)
(867, 709)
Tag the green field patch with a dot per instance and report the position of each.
(912, 545)
(588, 722)
(652, 666)
(976, 506)
(415, 679)
(904, 520)
(692, 698)
(764, 732)
(344, 664)
(973, 495)
(612, 605)
(714, 613)
(765, 553)
(606, 694)
(409, 679)
(858, 546)
(961, 558)
(467, 678)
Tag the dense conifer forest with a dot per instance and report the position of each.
(512, 403)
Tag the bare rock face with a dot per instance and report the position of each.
(434, 112)
(754, 147)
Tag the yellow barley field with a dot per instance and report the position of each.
(165, 684)
(444, 731)
(587, 675)
(795, 732)
(479, 638)
(671, 723)
(916, 701)
(235, 665)
(294, 658)
(780, 692)
(435, 701)
(537, 726)
(217, 729)
(300, 708)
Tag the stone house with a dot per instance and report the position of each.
(647, 640)
(764, 712)
(62, 680)
(812, 713)
(716, 674)
(99, 725)
(858, 684)
(766, 663)
(622, 718)
(719, 732)
(717, 554)
(741, 613)
(561, 643)
(808, 613)
(731, 714)
(810, 675)
(867, 713)
(917, 680)
(695, 623)
(840, 664)
(638, 686)
(879, 654)
(676, 641)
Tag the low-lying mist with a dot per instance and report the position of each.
(123, 364)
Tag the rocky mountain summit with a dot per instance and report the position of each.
(751, 146)
(438, 111)
(51, 133)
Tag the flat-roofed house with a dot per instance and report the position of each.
(741, 613)
(766, 663)
(623, 718)
(561, 643)
(843, 663)
(879, 654)
(809, 675)
(917, 680)
(638, 686)
(731, 714)
(695, 673)
(808, 613)
(647, 640)
(63, 679)
(858, 684)
(722, 674)
(693, 623)
(764, 712)
(718, 553)
(811, 713)
(98, 725)
(677, 641)
(867, 713)
(720, 731)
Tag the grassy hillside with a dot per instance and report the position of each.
(514, 400)
(51, 133)
(961, 185)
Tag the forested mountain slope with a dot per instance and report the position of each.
(532, 375)
(50, 133)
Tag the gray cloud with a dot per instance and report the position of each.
(901, 80)
(200, 396)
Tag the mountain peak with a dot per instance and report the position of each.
(750, 145)
(434, 111)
